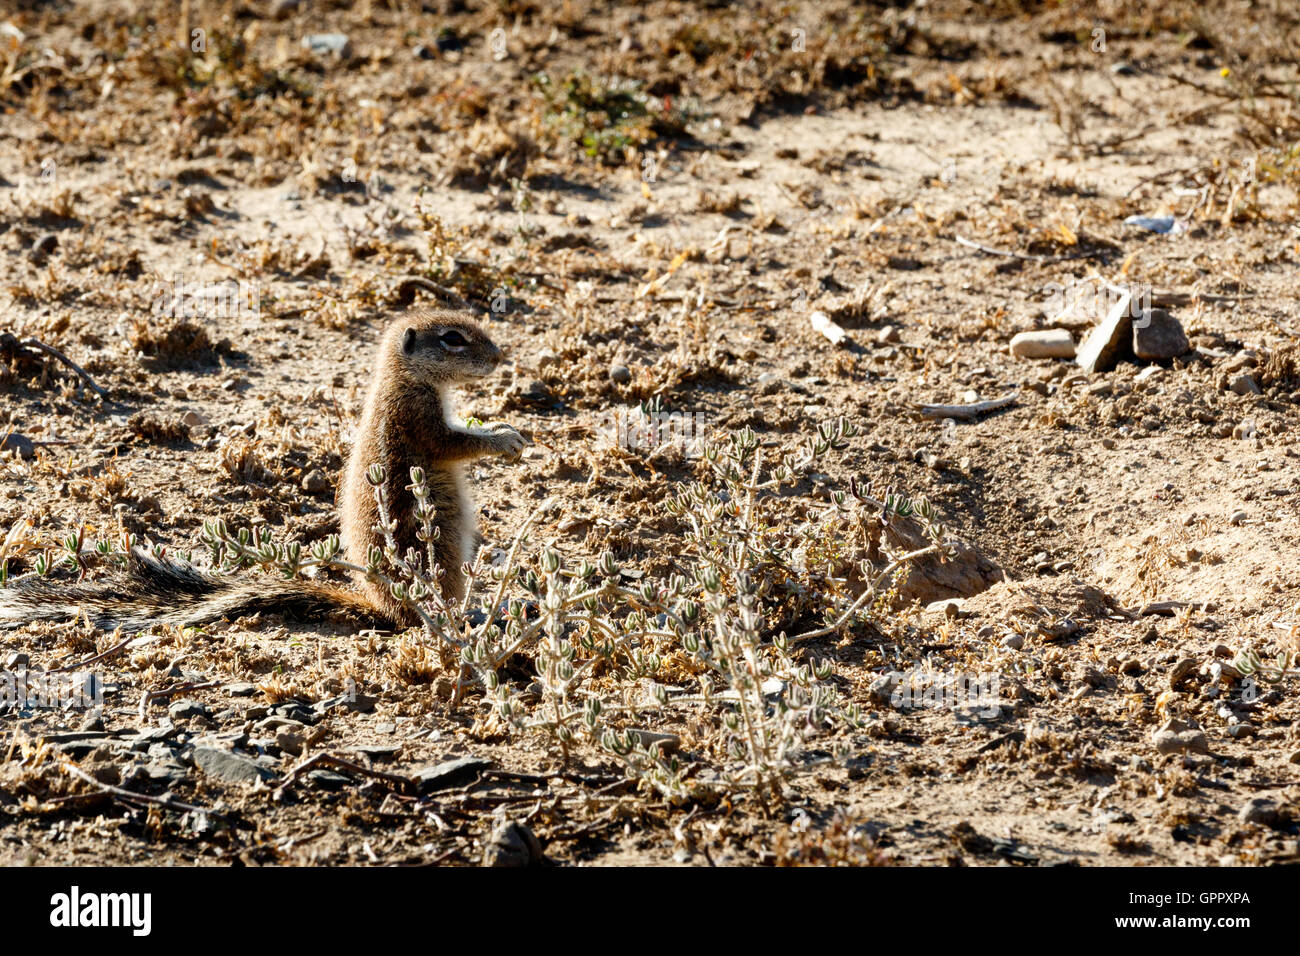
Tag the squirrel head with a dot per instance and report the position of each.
(438, 347)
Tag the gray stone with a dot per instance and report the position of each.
(1104, 345)
(183, 709)
(229, 767)
(328, 779)
(73, 736)
(620, 374)
(512, 844)
(160, 752)
(1177, 737)
(1261, 810)
(295, 710)
(241, 689)
(14, 442)
(315, 482)
(279, 723)
(167, 773)
(357, 703)
(450, 773)
(378, 751)
(80, 749)
(1158, 336)
(290, 743)
(1244, 384)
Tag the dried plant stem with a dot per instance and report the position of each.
(866, 595)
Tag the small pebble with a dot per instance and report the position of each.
(1244, 384)
(183, 709)
(1177, 736)
(14, 442)
(512, 844)
(315, 482)
(290, 743)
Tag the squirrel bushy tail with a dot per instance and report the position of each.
(153, 591)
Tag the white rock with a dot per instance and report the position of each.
(1047, 343)
(824, 324)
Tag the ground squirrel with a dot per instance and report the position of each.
(408, 421)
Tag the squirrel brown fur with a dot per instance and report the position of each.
(407, 422)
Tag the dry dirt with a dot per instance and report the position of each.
(772, 182)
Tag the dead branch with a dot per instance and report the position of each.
(971, 410)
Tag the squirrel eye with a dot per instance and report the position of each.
(453, 341)
(408, 341)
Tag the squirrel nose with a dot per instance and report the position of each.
(497, 355)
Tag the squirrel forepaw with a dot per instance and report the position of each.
(505, 440)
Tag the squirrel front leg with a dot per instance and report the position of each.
(494, 438)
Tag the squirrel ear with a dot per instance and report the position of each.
(408, 341)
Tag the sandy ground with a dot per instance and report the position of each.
(1099, 496)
